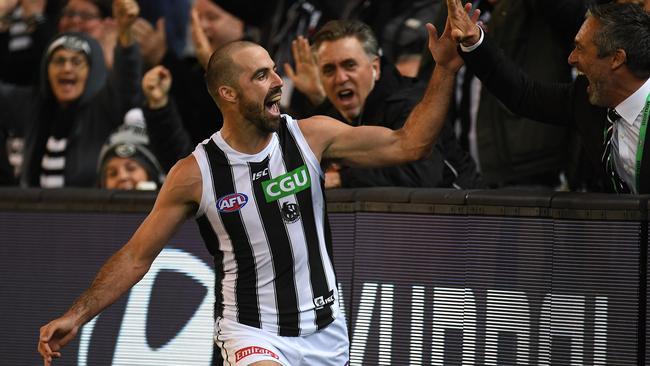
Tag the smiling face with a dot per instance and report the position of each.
(346, 71)
(598, 70)
(123, 173)
(67, 73)
(259, 88)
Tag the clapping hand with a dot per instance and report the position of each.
(152, 41)
(200, 39)
(305, 77)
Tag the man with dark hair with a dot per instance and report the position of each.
(608, 103)
(256, 190)
(354, 84)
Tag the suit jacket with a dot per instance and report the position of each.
(554, 103)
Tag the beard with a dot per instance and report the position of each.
(595, 94)
(256, 113)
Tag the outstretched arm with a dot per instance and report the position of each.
(176, 201)
(377, 146)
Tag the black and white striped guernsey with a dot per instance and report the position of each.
(263, 219)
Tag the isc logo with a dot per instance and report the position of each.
(232, 202)
(261, 174)
(322, 301)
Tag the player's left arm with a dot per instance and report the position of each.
(378, 146)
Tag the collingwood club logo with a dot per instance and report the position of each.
(290, 212)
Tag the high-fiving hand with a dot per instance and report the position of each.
(464, 22)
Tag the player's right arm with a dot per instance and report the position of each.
(177, 200)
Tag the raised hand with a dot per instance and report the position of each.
(202, 45)
(32, 7)
(54, 336)
(7, 6)
(152, 41)
(443, 48)
(155, 85)
(306, 77)
(125, 13)
(464, 22)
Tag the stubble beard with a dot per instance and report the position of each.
(595, 96)
(256, 114)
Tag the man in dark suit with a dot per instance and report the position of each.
(612, 54)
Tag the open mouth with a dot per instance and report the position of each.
(345, 95)
(272, 104)
(66, 83)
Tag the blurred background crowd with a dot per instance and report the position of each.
(110, 94)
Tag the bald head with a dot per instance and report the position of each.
(223, 69)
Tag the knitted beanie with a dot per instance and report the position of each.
(130, 140)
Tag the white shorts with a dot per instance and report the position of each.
(242, 345)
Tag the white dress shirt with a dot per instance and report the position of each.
(626, 134)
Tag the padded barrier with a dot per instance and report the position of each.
(427, 277)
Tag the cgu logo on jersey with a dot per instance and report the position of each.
(232, 202)
(287, 184)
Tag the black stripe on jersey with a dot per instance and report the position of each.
(54, 154)
(281, 253)
(246, 286)
(54, 172)
(294, 159)
(211, 241)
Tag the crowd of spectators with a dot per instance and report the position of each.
(110, 94)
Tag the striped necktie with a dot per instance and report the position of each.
(608, 160)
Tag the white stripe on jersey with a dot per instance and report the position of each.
(52, 181)
(53, 162)
(56, 145)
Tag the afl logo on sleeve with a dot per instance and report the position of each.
(232, 202)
